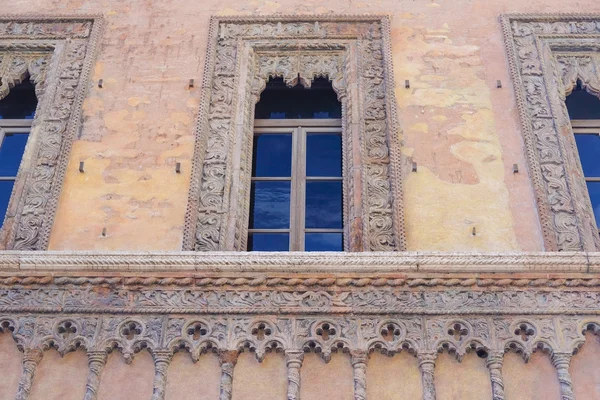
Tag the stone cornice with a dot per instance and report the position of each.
(292, 263)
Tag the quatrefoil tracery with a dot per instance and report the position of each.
(130, 330)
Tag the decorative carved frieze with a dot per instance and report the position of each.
(548, 54)
(229, 332)
(56, 54)
(352, 52)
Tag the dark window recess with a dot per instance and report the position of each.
(582, 105)
(20, 102)
(278, 101)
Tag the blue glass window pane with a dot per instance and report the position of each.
(594, 190)
(20, 102)
(272, 155)
(589, 154)
(11, 153)
(268, 242)
(323, 154)
(324, 205)
(323, 242)
(5, 192)
(270, 205)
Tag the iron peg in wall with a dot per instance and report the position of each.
(103, 234)
(414, 166)
(407, 84)
(81, 167)
(191, 84)
(178, 167)
(515, 168)
(101, 83)
(474, 232)
(499, 84)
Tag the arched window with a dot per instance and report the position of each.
(296, 192)
(584, 111)
(17, 110)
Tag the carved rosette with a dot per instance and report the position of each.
(31, 48)
(243, 54)
(545, 68)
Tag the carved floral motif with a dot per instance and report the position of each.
(352, 52)
(58, 116)
(548, 55)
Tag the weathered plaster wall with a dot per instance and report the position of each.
(393, 378)
(60, 378)
(468, 380)
(534, 380)
(460, 129)
(187, 380)
(250, 376)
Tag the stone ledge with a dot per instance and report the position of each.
(332, 263)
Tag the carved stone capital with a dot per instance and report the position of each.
(96, 363)
(31, 358)
(228, 360)
(561, 361)
(359, 362)
(294, 359)
(426, 361)
(162, 360)
(494, 363)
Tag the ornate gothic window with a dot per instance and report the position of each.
(296, 190)
(244, 53)
(548, 55)
(52, 57)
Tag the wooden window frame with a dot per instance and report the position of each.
(587, 127)
(298, 128)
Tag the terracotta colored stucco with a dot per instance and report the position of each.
(461, 130)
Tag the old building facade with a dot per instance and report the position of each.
(447, 165)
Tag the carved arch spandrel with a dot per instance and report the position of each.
(353, 52)
(547, 55)
(56, 53)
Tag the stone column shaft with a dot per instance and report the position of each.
(31, 360)
(359, 364)
(494, 363)
(427, 366)
(228, 360)
(162, 360)
(561, 362)
(294, 359)
(96, 363)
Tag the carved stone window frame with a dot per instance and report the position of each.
(354, 52)
(56, 52)
(547, 55)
